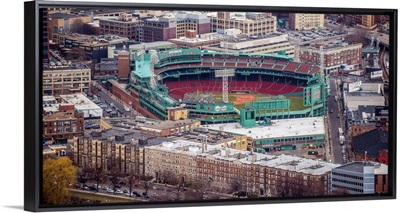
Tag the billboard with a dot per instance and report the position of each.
(381, 111)
(353, 87)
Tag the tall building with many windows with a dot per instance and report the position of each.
(252, 24)
(306, 21)
(60, 80)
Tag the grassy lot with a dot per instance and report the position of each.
(101, 197)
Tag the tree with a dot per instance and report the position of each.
(360, 36)
(57, 176)
(84, 175)
(98, 176)
(236, 187)
(131, 181)
(114, 179)
(77, 26)
(198, 189)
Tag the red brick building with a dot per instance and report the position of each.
(126, 26)
(64, 124)
(159, 29)
(335, 55)
(123, 64)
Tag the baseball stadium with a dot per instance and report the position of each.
(219, 87)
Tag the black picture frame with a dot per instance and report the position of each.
(33, 104)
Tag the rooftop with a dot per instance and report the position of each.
(59, 116)
(371, 142)
(167, 124)
(284, 162)
(150, 45)
(123, 136)
(358, 167)
(278, 129)
(93, 40)
(75, 67)
(80, 101)
(64, 15)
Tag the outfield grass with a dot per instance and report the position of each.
(103, 198)
(296, 102)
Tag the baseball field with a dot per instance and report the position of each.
(239, 99)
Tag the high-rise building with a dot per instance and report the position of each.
(45, 36)
(368, 21)
(252, 24)
(306, 21)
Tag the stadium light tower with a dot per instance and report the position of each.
(224, 74)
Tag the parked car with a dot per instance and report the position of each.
(118, 191)
(110, 191)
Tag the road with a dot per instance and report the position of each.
(334, 122)
(105, 95)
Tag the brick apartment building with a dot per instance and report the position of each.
(125, 26)
(64, 124)
(255, 174)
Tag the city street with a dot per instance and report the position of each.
(334, 122)
(105, 95)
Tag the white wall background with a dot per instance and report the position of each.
(11, 150)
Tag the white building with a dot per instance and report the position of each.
(81, 102)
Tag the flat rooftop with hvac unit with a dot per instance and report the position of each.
(279, 132)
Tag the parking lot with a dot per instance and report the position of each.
(303, 37)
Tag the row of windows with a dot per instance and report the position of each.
(347, 182)
(348, 176)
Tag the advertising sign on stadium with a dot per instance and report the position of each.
(224, 108)
(217, 108)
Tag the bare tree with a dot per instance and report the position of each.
(360, 36)
(198, 189)
(131, 181)
(236, 187)
(83, 176)
(77, 26)
(98, 176)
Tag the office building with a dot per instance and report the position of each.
(274, 43)
(306, 21)
(252, 24)
(124, 26)
(360, 178)
(60, 80)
